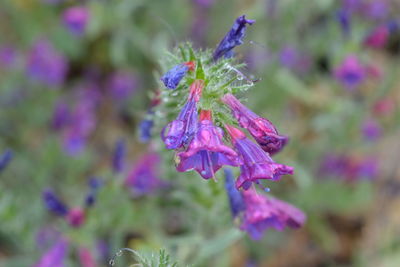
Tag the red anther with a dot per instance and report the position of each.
(234, 132)
(205, 115)
(191, 65)
(195, 90)
(156, 99)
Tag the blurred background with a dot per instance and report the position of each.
(76, 81)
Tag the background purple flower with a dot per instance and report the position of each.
(143, 178)
(351, 73)
(5, 159)
(76, 18)
(122, 85)
(371, 130)
(55, 256)
(61, 116)
(119, 156)
(53, 203)
(45, 64)
(8, 56)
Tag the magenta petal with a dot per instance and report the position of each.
(264, 212)
(257, 164)
(263, 131)
(207, 153)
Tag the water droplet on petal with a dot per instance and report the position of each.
(119, 253)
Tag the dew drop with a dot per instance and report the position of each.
(239, 77)
(203, 172)
(119, 253)
(111, 262)
(267, 189)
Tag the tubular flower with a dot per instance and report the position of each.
(76, 18)
(206, 152)
(172, 78)
(94, 186)
(86, 258)
(119, 156)
(371, 130)
(232, 38)
(145, 127)
(378, 37)
(351, 73)
(264, 212)
(178, 132)
(263, 131)
(55, 256)
(45, 64)
(257, 164)
(54, 204)
(122, 85)
(235, 197)
(76, 217)
(5, 159)
(143, 179)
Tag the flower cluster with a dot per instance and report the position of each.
(211, 117)
(74, 216)
(196, 133)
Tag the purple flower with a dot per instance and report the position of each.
(178, 132)
(352, 5)
(257, 164)
(333, 164)
(371, 130)
(204, 3)
(264, 212)
(344, 18)
(8, 56)
(86, 258)
(119, 156)
(376, 9)
(351, 73)
(81, 124)
(143, 179)
(173, 77)
(46, 236)
(206, 152)
(368, 168)
(349, 168)
(122, 85)
(53, 203)
(145, 127)
(235, 197)
(103, 250)
(55, 256)
(94, 185)
(61, 116)
(232, 38)
(45, 64)
(294, 60)
(5, 159)
(76, 18)
(263, 131)
(378, 37)
(76, 217)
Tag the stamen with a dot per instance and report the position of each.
(241, 76)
